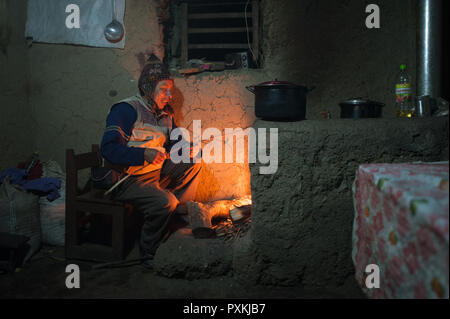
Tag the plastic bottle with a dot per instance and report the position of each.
(403, 93)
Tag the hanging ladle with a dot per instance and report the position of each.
(114, 31)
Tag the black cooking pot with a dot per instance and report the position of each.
(279, 100)
(359, 108)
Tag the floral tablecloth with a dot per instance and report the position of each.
(401, 225)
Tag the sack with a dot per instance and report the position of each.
(53, 214)
(19, 214)
(53, 221)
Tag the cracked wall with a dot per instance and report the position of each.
(220, 101)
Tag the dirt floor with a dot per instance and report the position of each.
(44, 277)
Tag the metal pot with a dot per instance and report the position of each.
(280, 100)
(359, 108)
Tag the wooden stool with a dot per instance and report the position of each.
(93, 202)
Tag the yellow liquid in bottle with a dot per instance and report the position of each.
(405, 113)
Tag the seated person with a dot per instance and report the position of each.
(137, 137)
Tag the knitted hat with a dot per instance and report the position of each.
(153, 72)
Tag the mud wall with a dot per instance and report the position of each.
(325, 43)
(319, 43)
(322, 43)
(16, 125)
(302, 216)
(73, 87)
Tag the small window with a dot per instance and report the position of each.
(223, 32)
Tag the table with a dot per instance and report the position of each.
(401, 225)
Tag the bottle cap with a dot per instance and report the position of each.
(403, 67)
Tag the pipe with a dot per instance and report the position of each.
(429, 48)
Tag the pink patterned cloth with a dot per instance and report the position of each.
(401, 225)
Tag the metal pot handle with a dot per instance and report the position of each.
(251, 89)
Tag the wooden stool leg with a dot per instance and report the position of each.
(118, 234)
(71, 230)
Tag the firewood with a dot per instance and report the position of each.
(240, 214)
(190, 71)
(201, 215)
(200, 221)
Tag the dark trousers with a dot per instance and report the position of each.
(156, 195)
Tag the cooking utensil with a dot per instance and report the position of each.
(114, 31)
(423, 106)
(128, 175)
(357, 108)
(280, 100)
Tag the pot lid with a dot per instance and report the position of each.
(360, 100)
(277, 83)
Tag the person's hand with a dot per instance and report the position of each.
(154, 156)
(192, 150)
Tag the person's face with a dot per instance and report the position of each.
(163, 93)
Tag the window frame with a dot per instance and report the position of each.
(253, 29)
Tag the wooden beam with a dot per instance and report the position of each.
(219, 30)
(219, 46)
(86, 160)
(222, 15)
(217, 4)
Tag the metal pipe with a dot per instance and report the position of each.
(429, 48)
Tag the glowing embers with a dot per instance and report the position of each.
(227, 219)
(229, 231)
(238, 222)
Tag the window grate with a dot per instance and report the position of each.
(212, 29)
